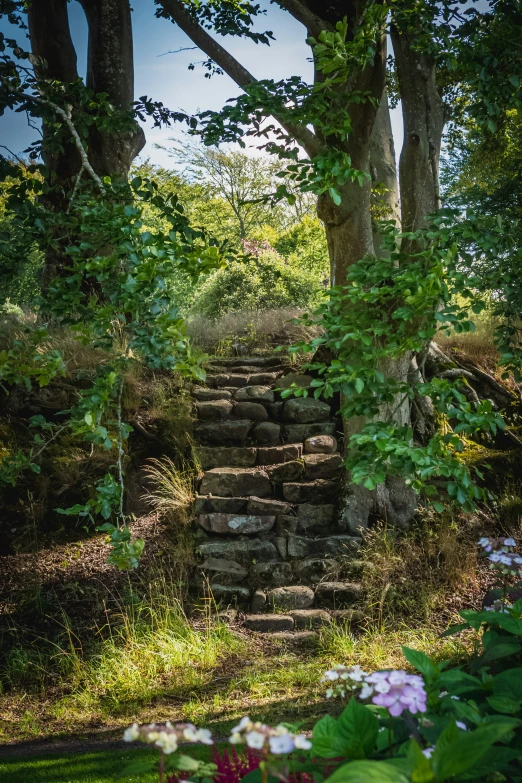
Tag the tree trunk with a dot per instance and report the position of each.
(110, 70)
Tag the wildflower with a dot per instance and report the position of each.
(461, 725)
(427, 752)
(397, 691)
(167, 737)
(347, 677)
(132, 733)
(259, 736)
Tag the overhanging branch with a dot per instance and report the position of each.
(313, 23)
(232, 67)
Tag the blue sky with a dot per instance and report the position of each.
(166, 77)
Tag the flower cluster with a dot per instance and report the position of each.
(396, 690)
(276, 740)
(345, 678)
(166, 736)
(500, 556)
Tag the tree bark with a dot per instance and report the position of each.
(110, 71)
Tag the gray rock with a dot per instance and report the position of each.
(310, 492)
(215, 381)
(224, 433)
(230, 593)
(214, 505)
(275, 574)
(276, 410)
(267, 433)
(251, 410)
(263, 378)
(231, 482)
(228, 568)
(243, 551)
(333, 546)
(348, 616)
(286, 471)
(236, 380)
(214, 410)
(306, 410)
(286, 525)
(294, 379)
(235, 524)
(258, 603)
(297, 433)
(305, 619)
(338, 594)
(203, 395)
(320, 444)
(254, 394)
(322, 466)
(282, 546)
(222, 457)
(315, 516)
(265, 623)
(295, 637)
(228, 616)
(315, 569)
(291, 597)
(274, 455)
(268, 506)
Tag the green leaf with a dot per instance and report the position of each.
(420, 661)
(467, 750)
(185, 763)
(367, 772)
(504, 704)
(323, 737)
(357, 729)
(359, 385)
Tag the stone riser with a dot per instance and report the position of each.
(266, 512)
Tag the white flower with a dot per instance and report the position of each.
(428, 752)
(510, 542)
(366, 691)
(204, 736)
(331, 675)
(235, 739)
(190, 733)
(461, 725)
(255, 740)
(131, 734)
(243, 724)
(167, 742)
(283, 743)
(301, 742)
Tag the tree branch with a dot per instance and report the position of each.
(74, 133)
(232, 67)
(313, 23)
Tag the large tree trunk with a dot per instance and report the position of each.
(110, 70)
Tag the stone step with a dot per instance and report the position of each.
(236, 524)
(290, 597)
(310, 619)
(214, 410)
(328, 547)
(268, 623)
(227, 456)
(295, 637)
(224, 433)
(262, 394)
(203, 394)
(286, 471)
(210, 504)
(322, 466)
(306, 410)
(319, 491)
(242, 551)
(236, 482)
(337, 595)
(299, 433)
(273, 455)
(255, 361)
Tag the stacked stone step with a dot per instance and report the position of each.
(266, 504)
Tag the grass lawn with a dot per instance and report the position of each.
(100, 767)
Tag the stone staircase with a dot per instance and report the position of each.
(266, 504)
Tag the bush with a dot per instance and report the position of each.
(257, 284)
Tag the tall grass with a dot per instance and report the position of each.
(171, 490)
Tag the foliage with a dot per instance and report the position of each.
(448, 722)
(304, 246)
(257, 284)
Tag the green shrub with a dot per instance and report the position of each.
(257, 284)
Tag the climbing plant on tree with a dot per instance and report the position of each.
(393, 284)
(105, 276)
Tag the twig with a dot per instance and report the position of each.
(74, 133)
(76, 184)
(176, 51)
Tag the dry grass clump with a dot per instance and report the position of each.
(171, 490)
(248, 332)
